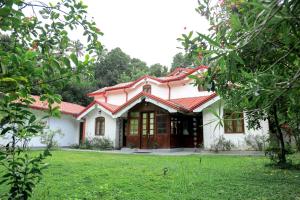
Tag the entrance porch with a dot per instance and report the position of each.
(148, 126)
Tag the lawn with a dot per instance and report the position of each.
(93, 175)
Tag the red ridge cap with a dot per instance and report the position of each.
(150, 77)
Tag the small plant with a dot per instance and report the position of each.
(95, 143)
(256, 142)
(101, 143)
(48, 138)
(221, 144)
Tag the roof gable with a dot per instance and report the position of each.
(178, 74)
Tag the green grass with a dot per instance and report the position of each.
(93, 175)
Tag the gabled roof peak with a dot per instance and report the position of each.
(177, 74)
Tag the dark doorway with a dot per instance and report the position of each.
(125, 122)
(81, 132)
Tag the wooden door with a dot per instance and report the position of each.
(147, 130)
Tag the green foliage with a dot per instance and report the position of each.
(101, 143)
(48, 138)
(158, 70)
(22, 172)
(253, 54)
(35, 57)
(183, 60)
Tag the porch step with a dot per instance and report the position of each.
(159, 150)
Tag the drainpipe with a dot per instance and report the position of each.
(105, 97)
(169, 95)
(126, 93)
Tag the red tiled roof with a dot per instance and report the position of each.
(64, 107)
(191, 103)
(181, 104)
(177, 74)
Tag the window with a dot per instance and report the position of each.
(99, 126)
(161, 123)
(147, 89)
(233, 122)
(134, 123)
(174, 126)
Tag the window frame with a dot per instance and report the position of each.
(233, 119)
(165, 116)
(100, 131)
(131, 118)
(147, 88)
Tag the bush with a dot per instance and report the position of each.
(101, 143)
(95, 143)
(221, 144)
(256, 142)
(48, 136)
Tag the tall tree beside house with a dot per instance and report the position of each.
(36, 59)
(182, 60)
(136, 69)
(158, 70)
(253, 54)
(108, 69)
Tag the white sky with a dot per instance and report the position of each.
(146, 29)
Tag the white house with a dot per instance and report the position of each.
(67, 124)
(164, 112)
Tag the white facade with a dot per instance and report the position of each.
(67, 124)
(110, 126)
(212, 129)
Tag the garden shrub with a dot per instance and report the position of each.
(256, 142)
(221, 144)
(100, 143)
(47, 138)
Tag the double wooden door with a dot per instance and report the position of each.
(147, 130)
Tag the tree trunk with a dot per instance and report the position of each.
(282, 154)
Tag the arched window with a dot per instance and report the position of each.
(147, 88)
(99, 126)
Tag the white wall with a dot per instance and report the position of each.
(68, 125)
(184, 90)
(211, 129)
(110, 126)
(116, 98)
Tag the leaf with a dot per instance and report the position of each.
(5, 130)
(66, 61)
(4, 11)
(74, 59)
(208, 39)
(235, 22)
(238, 58)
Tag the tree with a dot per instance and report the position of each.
(180, 60)
(108, 70)
(136, 69)
(253, 54)
(36, 59)
(158, 70)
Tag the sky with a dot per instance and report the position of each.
(146, 29)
